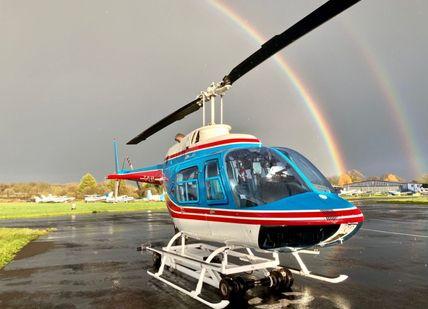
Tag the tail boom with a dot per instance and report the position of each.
(152, 175)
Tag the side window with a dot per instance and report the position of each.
(187, 185)
(213, 185)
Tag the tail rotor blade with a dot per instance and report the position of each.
(132, 168)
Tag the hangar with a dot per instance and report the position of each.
(382, 186)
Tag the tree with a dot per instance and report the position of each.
(356, 175)
(72, 189)
(374, 178)
(124, 189)
(88, 185)
(423, 178)
(334, 180)
(9, 192)
(344, 179)
(391, 177)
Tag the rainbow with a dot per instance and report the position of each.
(320, 120)
(412, 151)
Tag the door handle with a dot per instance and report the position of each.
(212, 211)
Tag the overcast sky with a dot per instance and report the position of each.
(76, 74)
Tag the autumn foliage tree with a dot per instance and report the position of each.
(344, 179)
(423, 178)
(87, 185)
(391, 177)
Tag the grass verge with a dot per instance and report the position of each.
(12, 240)
(405, 200)
(34, 210)
(392, 199)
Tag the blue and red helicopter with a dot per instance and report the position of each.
(231, 189)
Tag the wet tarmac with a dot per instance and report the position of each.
(91, 261)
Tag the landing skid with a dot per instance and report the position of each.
(304, 271)
(225, 268)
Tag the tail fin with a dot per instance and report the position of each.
(116, 157)
(151, 174)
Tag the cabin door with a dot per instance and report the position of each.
(215, 196)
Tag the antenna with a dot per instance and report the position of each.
(221, 108)
(203, 109)
(212, 110)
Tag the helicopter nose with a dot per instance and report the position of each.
(361, 213)
(340, 210)
(358, 214)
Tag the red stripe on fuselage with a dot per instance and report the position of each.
(213, 144)
(322, 217)
(268, 222)
(265, 214)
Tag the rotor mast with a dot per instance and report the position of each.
(214, 90)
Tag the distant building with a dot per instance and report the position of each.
(411, 186)
(382, 186)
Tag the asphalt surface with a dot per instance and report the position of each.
(91, 261)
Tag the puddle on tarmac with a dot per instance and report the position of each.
(282, 301)
(34, 248)
(70, 268)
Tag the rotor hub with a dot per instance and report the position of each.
(215, 89)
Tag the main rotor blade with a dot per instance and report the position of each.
(322, 14)
(177, 115)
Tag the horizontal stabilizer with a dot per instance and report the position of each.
(152, 174)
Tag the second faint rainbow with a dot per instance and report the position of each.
(310, 103)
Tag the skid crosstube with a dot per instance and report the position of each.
(218, 266)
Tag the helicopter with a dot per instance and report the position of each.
(230, 189)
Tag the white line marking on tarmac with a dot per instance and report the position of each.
(388, 221)
(395, 233)
(363, 207)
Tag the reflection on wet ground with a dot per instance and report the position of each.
(91, 261)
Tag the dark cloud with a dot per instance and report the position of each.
(76, 74)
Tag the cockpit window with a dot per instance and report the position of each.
(307, 168)
(258, 176)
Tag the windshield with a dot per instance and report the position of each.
(310, 171)
(258, 176)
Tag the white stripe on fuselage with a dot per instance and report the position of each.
(271, 219)
(267, 210)
(136, 172)
(210, 147)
